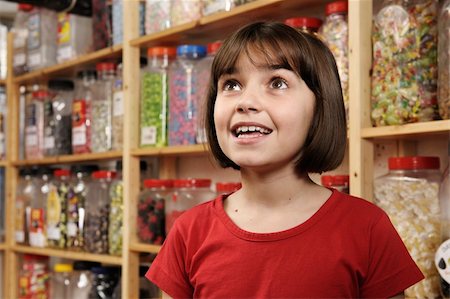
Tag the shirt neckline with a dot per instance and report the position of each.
(272, 236)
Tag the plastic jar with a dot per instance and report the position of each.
(157, 15)
(227, 187)
(184, 94)
(34, 277)
(3, 122)
(34, 125)
(102, 24)
(101, 108)
(117, 111)
(57, 209)
(42, 33)
(151, 223)
(58, 118)
(76, 206)
(155, 96)
(409, 195)
(117, 20)
(115, 229)
(61, 283)
(185, 11)
(20, 37)
(81, 113)
(334, 32)
(83, 278)
(309, 25)
(106, 279)
(404, 69)
(187, 194)
(74, 36)
(26, 190)
(444, 61)
(213, 6)
(98, 204)
(338, 182)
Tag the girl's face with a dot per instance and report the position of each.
(262, 114)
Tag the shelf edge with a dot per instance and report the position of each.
(145, 248)
(71, 158)
(436, 127)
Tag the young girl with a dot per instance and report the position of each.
(275, 113)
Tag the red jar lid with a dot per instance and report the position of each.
(61, 172)
(40, 94)
(104, 174)
(227, 187)
(25, 7)
(189, 183)
(155, 183)
(300, 22)
(336, 7)
(212, 48)
(161, 51)
(105, 66)
(413, 163)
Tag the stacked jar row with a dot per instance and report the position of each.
(161, 202)
(78, 209)
(61, 120)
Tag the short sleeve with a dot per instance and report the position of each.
(168, 269)
(391, 269)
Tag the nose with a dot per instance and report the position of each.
(248, 101)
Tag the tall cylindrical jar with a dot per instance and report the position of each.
(117, 110)
(115, 225)
(98, 204)
(334, 32)
(101, 108)
(26, 190)
(102, 23)
(444, 61)
(409, 195)
(81, 112)
(83, 278)
(20, 37)
(309, 25)
(157, 15)
(184, 94)
(34, 277)
(58, 122)
(34, 125)
(61, 283)
(404, 69)
(155, 96)
(151, 223)
(185, 11)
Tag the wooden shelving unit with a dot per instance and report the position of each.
(146, 248)
(2, 82)
(70, 159)
(3, 246)
(182, 150)
(415, 130)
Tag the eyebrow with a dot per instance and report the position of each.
(270, 67)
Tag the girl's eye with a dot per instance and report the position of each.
(278, 83)
(231, 85)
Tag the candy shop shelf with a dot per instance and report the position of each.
(71, 255)
(2, 82)
(67, 159)
(69, 68)
(3, 246)
(218, 25)
(197, 149)
(439, 127)
(146, 248)
(3, 163)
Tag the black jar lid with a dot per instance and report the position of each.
(60, 84)
(85, 265)
(87, 168)
(87, 73)
(142, 165)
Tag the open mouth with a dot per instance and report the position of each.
(250, 131)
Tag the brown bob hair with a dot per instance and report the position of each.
(310, 59)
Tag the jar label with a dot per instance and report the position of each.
(53, 212)
(148, 135)
(442, 260)
(34, 60)
(19, 59)
(79, 135)
(31, 137)
(118, 103)
(20, 219)
(63, 28)
(72, 229)
(49, 142)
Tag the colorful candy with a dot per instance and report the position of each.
(444, 61)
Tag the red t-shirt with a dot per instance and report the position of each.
(348, 248)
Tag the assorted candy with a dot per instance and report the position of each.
(444, 61)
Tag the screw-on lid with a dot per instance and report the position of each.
(106, 270)
(84, 265)
(63, 268)
(104, 174)
(336, 7)
(60, 84)
(335, 180)
(191, 51)
(40, 94)
(214, 47)
(162, 51)
(142, 165)
(87, 73)
(61, 172)
(190, 183)
(27, 171)
(105, 66)
(227, 187)
(44, 170)
(413, 163)
(84, 168)
(158, 183)
(24, 7)
(300, 22)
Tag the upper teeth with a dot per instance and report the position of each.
(244, 129)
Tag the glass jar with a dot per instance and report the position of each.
(151, 221)
(184, 94)
(74, 36)
(157, 16)
(309, 25)
(34, 277)
(212, 6)
(20, 37)
(26, 190)
(204, 70)
(58, 118)
(42, 33)
(444, 61)
(101, 108)
(409, 195)
(117, 111)
(34, 125)
(81, 112)
(404, 69)
(227, 187)
(61, 283)
(155, 97)
(102, 24)
(338, 182)
(106, 279)
(3, 122)
(98, 204)
(115, 229)
(185, 11)
(83, 278)
(146, 288)
(334, 32)
(57, 209)
(187, 194)
(76, 206)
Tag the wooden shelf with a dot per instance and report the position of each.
(219, 25)
(432, 128)
(2, 82)
(4, 163)
(68, 159)
(71, 255)
(3, 246)
(146, 248)
(69, 68)
(185, 150)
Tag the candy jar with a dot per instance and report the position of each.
(184, 11)
(61, 283)
(155, 97)
(444, 61)
(115, 229)
(83, 278)
(151, 210)
(81, 112)
(26, 190)
(157, 15)
(34, 125)
(409, 195)
(309, 25)
(212, 6)
(338, 182)
(20, 37)
(106, 279)
(404, 69)
(184, 94)
(117, 111)
(34, 277)
(102, 24)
